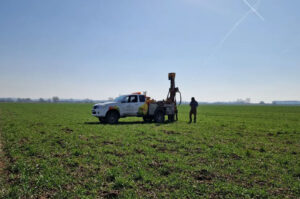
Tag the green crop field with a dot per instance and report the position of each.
(61, 151)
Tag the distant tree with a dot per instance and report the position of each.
(87, 100)
(24, 100)
(240, 101)
(261, 102)
(110, 99)
(55, 99)
(41, 100)
(6, 100)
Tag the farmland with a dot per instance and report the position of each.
(61, 151)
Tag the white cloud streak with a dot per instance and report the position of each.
(235, 26)
(254, 10)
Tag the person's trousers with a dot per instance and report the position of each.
(195, 115)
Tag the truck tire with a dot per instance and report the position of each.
(112, 117)
(102, 120)
(147, 119)
(171, 118)
(159, 117)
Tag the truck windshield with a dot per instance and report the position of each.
(120, 98)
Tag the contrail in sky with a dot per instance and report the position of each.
(227, 35)
(254, 10)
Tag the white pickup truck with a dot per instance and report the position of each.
(133, 105)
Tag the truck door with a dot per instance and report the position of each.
(126, 106)
(134, 105)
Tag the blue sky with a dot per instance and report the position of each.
(102, 48)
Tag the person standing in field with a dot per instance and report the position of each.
(193, 111)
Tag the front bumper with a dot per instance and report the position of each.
(98, 113)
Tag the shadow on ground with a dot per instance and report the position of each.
(124, 123)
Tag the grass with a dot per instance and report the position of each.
(61, 151)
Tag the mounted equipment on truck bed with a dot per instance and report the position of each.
(171, 98)
(159, 109)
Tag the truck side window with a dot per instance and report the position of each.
(142, 98)
(126, 99)
(133, 99)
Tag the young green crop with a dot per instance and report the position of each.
(61, 151)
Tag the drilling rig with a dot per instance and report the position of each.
(158, 110)
(171, 97)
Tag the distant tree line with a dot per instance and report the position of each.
(54, 99)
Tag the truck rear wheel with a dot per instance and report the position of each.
(112, 117)
(159, 117)
(147, 119)
(171, 118)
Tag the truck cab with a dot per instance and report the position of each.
(131, 104)
(122, 106)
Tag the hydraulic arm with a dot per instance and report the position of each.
(171, 98)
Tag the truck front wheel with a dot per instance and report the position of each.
(159, 117)
(102, 120)
(112, 117)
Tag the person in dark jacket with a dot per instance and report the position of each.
(193, 111)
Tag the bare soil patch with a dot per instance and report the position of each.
(67, 130)
(203, 175)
